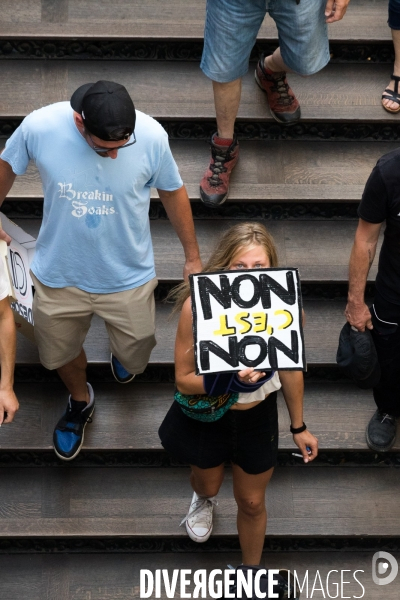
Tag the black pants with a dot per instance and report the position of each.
(386, 335)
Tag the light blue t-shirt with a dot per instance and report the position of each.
(95, 233)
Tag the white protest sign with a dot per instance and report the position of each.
(20, 254)
(246, 319)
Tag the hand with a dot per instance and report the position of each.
(358, 315)
(304, 440)
(8, 404)
(335, 10)
(4, 236)
(192, 266)
(250, 375)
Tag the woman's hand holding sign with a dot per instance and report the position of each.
(250, 375)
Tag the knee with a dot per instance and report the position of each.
(251, 506)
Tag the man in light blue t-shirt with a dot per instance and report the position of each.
(94, 253)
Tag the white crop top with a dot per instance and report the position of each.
(268, 387)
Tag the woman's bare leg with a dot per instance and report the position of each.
(249, 491)
(206, 482)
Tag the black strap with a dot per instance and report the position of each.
(295, 430)
(389, 94)
(396, 80)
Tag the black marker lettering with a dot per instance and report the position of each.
(207, 346)
(235, 291)
(207, 287)
(252, 340)
(268, 285)
(292, 353)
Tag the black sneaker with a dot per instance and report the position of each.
(381, 432)
(69, 431)
(119, 372)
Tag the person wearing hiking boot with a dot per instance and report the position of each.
(391, 95)
(380, 203)
(98, 159)
(230, 33)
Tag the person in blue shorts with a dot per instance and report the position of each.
(230, 33)
(98, 158)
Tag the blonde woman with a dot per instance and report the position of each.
(247, 433)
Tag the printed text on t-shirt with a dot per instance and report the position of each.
(81, 198)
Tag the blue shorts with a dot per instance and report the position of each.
(231, 31)
(394, 14)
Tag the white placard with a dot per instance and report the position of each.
(20, 254)
(246, 319)
(18, 261)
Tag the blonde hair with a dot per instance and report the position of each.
(238, 237)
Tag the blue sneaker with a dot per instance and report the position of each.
(119, 372)
(69, 431)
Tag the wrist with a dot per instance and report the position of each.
(300, 429)
(355, 299)
(192, 257)
(7, 385)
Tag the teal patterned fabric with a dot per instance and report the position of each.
(205, 408)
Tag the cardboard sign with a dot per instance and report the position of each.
(247, 319)
(3, 257)
(20, 255)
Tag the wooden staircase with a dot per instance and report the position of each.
(83, 531)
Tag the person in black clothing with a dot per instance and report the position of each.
(380, 203)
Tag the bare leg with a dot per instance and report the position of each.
(275, 63)
(227, 100)
(206, 482)
(73, 375)
(227, 96)
(249, 491)
(396, 68)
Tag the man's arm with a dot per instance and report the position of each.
(335, 10)
(8, 400)
(7, 178)
(361, 259)
(177, 206)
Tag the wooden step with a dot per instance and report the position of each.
(268, 171)
(178, 90)
(117, 576)
(365, 21)
(324, 322)
(95, 502)
(319, 249)
(127, 417)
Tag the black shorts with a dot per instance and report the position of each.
(248, 438)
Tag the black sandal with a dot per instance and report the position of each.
(392, 95)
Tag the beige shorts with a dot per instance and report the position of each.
(62, 319)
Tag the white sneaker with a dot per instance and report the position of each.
(199, 518)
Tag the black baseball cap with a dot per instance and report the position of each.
(106, 109)
(358, 358)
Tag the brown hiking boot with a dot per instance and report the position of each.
(214, 187)
(283, 104)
